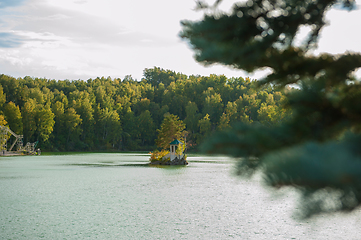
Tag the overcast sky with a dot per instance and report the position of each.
(81, 39)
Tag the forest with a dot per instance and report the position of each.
(105, 114)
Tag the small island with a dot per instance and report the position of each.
(171, 136)
(174, 156)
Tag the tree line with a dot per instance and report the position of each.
(124, 114)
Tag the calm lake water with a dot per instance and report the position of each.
(115, 196)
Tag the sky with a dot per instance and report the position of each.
(82, 39)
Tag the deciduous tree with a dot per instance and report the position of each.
(44, 120)
(13, 117)
(171, 128)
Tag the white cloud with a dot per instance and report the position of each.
(342, 34)
(78, 39)
(80, 1)
(81, 39)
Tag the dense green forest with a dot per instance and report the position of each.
(123, 114)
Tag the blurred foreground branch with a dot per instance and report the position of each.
(318, 149)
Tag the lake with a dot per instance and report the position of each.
(117, 196)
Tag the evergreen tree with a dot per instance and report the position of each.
(59, 135)
(28, 114)
(72, 121)
(44, 120)
(205, 127)
(130, 131)
(191, 121)
(146, 127)
(317, 149)
(84, 108)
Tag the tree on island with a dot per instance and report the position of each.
(171, 128)
(318, 149)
